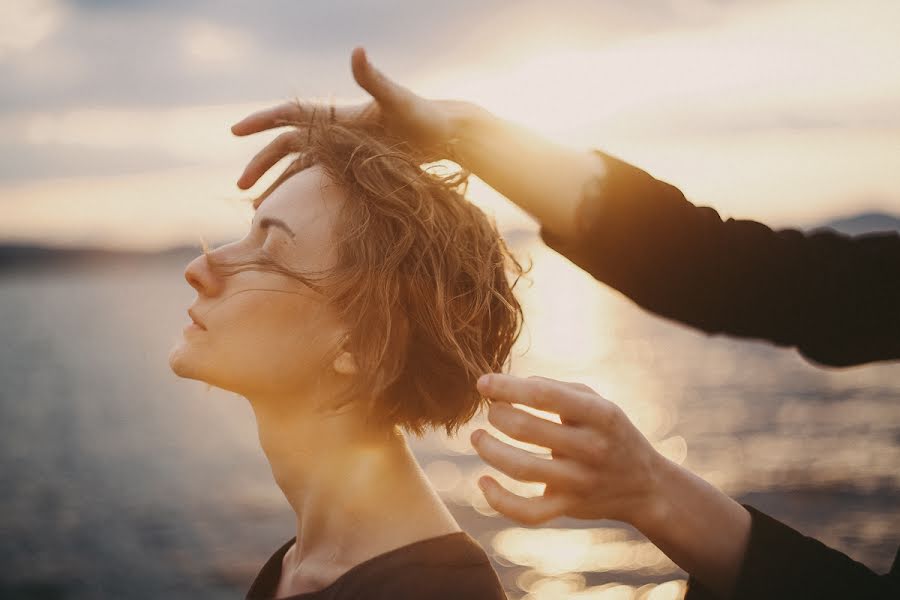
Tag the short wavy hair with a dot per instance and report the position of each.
(423, 280)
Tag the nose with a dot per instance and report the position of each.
(201, 277)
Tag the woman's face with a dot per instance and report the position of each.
(264, 333)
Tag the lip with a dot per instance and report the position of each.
(196, 321)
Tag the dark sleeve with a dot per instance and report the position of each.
(781, 563)
(835, 298)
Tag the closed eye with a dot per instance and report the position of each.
(267, 222)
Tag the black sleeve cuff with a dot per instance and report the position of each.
(780, 562)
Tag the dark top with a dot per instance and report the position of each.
(782, 563)
(835, 298)
(446, 567)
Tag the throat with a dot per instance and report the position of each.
(355, 493)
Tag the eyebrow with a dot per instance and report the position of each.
(267, 221)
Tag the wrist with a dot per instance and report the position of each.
(701, 529)
(465, 120)
(656, 510)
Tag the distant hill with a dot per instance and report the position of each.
(864, 223)
(17, 255)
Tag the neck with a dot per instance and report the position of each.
(356, 492)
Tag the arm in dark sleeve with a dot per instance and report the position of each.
(835, 298)
(782, 563)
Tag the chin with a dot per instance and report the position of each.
(181, 363)
(185, 363)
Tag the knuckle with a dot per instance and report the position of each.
(576, 386)
(531, 517)
(494, 416)
(535, 469)
(543, 394)
(598, 447)
(517, 470)
(593, 450)
(616, 418)
(594, 480)
(600, 411)
(504, 419)
(557, 478)
(285, 140)
(578, 477)
(540, 380)
(584, 485)
(516, 424)
(495, 502)
(569, 478)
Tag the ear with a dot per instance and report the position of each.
(344, 364)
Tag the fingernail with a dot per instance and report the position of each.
(482, 483)
(484, 380)
(476, 435)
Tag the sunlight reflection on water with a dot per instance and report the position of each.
(720, 398)
(110, 465)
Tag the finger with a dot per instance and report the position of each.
(562, 440)
(270, 118)
(266, 158)
(581, 387)
(547, 395)
(386, 91)
(530, 511)
(575, 385)
(525, 466)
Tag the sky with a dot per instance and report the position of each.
(115, 115)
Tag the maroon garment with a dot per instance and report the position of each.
(447, 567)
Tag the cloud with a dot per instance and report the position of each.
(119, 86)
(26, 23)
(107, 142)
(127, 54)
(139, 210)
(207, 43)
(763, 108)
(23, 163)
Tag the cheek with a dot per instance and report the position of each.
(277, 337)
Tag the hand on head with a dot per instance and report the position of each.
(427, 125)
(602, 467)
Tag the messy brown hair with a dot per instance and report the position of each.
(423, 280)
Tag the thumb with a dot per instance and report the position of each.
(384, 90)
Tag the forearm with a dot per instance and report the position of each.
(543, 178)
(700, 528)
